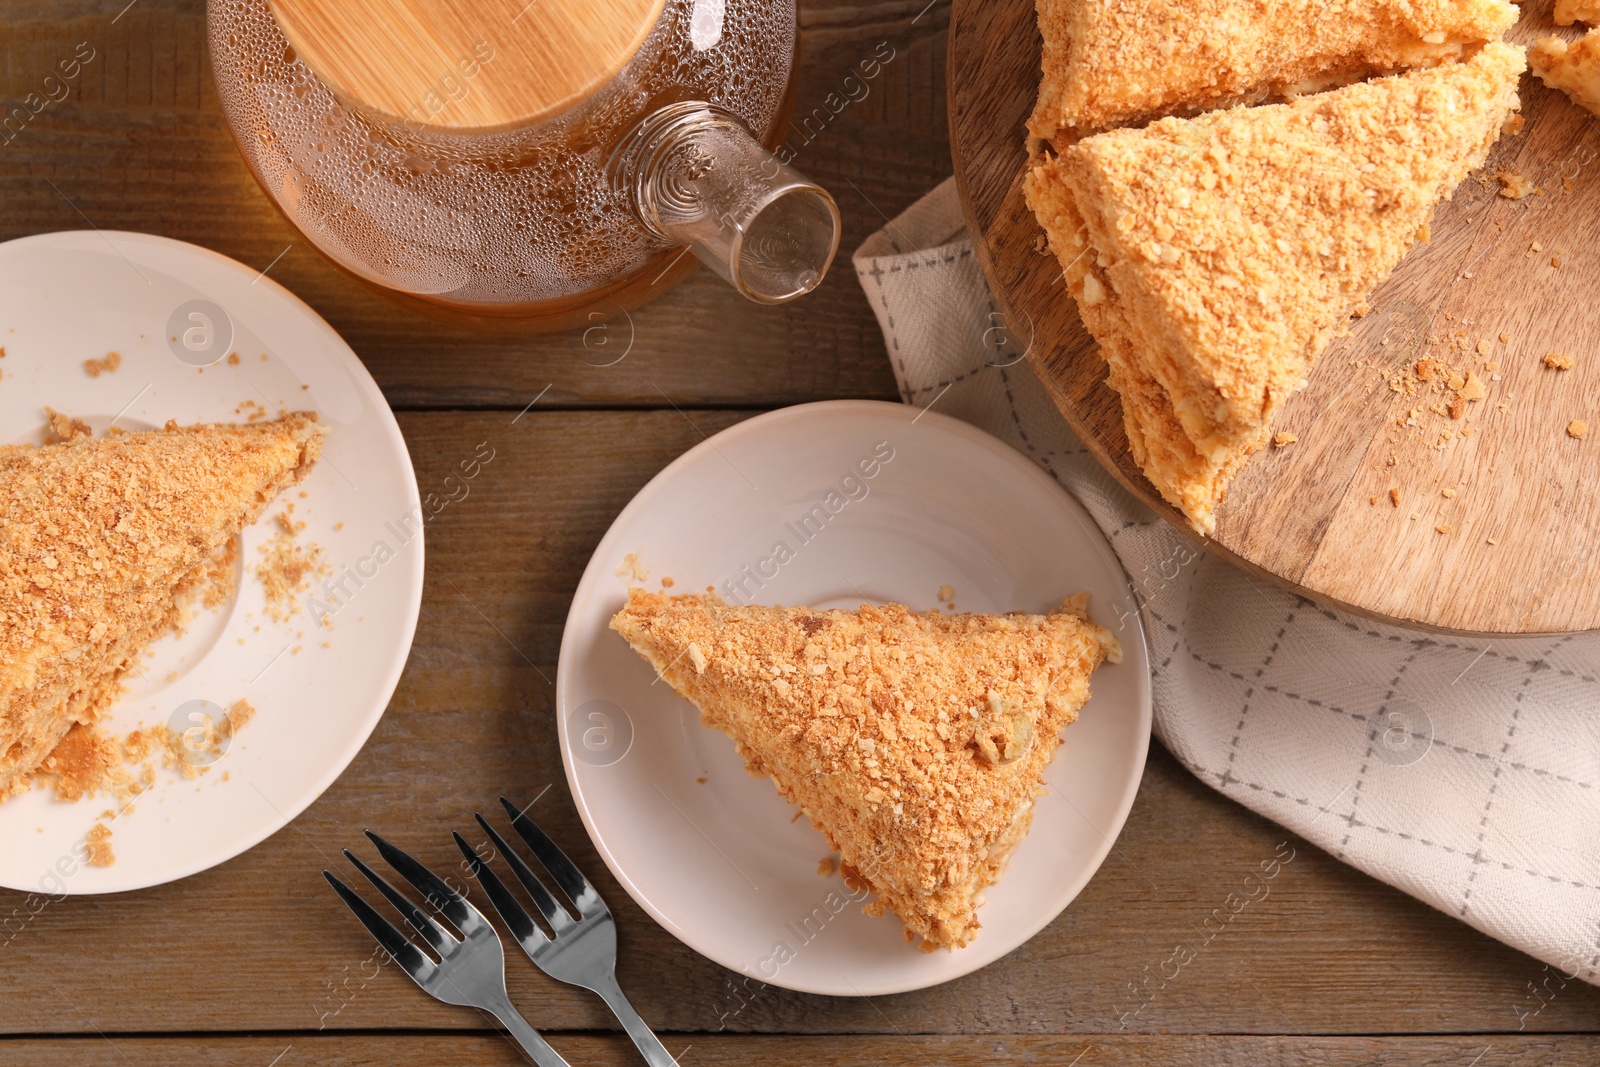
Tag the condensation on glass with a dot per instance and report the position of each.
(587, 209)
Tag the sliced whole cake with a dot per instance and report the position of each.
(1110, 63)
(1214, 258)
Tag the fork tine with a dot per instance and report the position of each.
(523, 928)
(566, 874)
(468, 920)
(419, 919)
(554, 912)
(408, 956)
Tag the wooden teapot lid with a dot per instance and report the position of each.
(466, 65)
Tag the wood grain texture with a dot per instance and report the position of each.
(178, 974)
(382, 1050)
(259, 944)
(1304, 517)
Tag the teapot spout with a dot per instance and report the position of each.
(698, 178)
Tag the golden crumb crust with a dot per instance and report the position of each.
(99, 540)
(1569, 11)
(1110, 63)
(1573, 68)
(1214, 258)
(915, 742)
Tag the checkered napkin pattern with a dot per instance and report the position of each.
(1464, 772)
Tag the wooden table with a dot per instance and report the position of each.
(254, 963)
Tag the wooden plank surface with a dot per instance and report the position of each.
(382, 1050)
(258, 944)
(181, 973)
(1316, 518)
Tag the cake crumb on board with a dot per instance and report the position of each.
(1514, 186)
(1558, 361)
(826, 866)
(1577, 429)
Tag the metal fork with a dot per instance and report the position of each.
(583, 951)
(471, 971)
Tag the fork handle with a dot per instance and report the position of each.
(654, 1052)
(537, 1048)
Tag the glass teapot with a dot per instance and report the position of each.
(549, 159)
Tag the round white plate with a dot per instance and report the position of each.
(712, 853)
(318, 690)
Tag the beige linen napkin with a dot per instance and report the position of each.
(1463, 772)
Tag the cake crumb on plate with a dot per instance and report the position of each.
(98, 842)
(96, 367)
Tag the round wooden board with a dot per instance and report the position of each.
(1302, 516)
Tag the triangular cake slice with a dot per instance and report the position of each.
(1573, 67)
(1214, 258)
(915, 742)
(98, 539)
(1110, 63)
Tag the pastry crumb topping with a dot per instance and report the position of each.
(915, 742)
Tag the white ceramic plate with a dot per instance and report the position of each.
(713, 854)
(318, 692)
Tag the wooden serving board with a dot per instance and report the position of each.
(1522, 549)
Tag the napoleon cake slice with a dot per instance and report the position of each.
(99, 540)
(1214, 258)
(915, 742)
(1574, 67)
(1110, 63)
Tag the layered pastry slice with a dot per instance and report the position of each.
(1214, 258)
(99, 542)
(1110, 63)
(1569, 11)
(1574, 67)
(915, 743)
